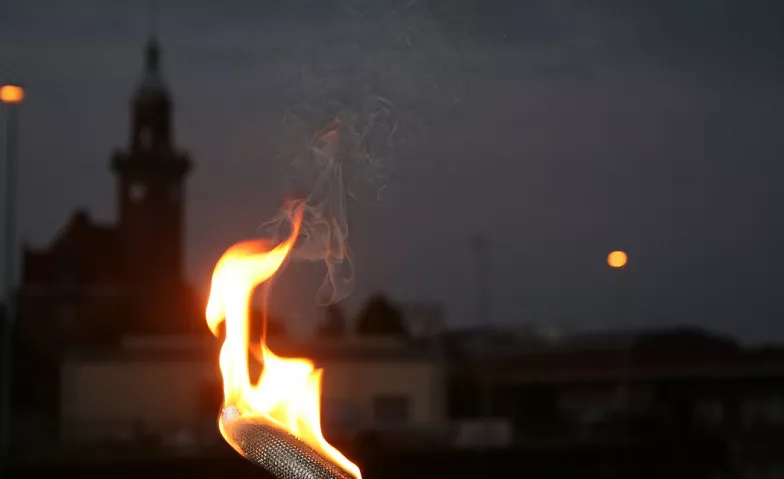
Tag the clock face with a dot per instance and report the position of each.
(137, 191)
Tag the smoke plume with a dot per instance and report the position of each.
(357, 95)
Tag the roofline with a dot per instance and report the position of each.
(174, 348)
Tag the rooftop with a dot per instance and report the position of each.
(321, 349)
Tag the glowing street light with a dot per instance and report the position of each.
(13, 94)
(617, 259)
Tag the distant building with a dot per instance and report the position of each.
(100, 281)
(471, 343)
(95, 283)
(677, 381)
(171, 388)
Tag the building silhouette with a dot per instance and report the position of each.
(97, 283)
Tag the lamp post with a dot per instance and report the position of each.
(618, 260)
(12, 96)
(479, 247)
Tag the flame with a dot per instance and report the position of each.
(288, 392)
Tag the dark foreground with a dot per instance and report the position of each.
(542, 462)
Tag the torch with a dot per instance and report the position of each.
(279, 452)
(275, 422)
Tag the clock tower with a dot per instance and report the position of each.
(150, 173)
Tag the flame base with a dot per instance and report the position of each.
(280, 453)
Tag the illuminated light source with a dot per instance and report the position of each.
(11, 94)
(287, 395)
(617, 259)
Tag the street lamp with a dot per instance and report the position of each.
(617, 259)
(12, 96)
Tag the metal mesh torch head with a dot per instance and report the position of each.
(280, 453)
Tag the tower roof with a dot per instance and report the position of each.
(151, 132)
(152, 85)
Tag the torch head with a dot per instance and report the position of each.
(280, 453)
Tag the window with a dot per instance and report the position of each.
(390, 410)
(137, 191)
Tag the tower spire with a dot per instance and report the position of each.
(152, 56)
(151, 174)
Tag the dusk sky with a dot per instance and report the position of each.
(557, 130)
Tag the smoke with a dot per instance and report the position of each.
(351, 150)
(362, 89)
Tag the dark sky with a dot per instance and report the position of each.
(557, 129)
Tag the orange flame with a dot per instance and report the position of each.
(288, 392)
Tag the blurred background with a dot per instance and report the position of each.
(565, 244)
